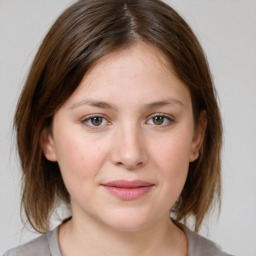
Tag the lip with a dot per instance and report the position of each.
(128, 190)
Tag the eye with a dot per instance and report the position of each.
(95, 121)
(160, 120)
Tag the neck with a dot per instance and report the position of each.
(78, 237)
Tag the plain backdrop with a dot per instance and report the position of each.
(226, 29)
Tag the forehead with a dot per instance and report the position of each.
(140, 72)
(141, 54)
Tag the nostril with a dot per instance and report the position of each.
(132, 166)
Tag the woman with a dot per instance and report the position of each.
(118, 119)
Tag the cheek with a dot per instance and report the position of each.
(172, 160)
(78, 157)
(79, 165)
(174, 150)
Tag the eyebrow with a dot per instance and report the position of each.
(93, 103)
(105, 105)
(166, 102)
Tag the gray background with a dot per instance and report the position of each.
(226, 29)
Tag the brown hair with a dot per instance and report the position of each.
(83, 34)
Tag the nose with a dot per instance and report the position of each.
(129, 148)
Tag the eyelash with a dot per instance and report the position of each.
(168, 120)
(88, 120)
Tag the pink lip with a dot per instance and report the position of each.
(128, 190)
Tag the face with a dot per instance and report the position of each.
(124, 140)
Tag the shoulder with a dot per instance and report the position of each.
(44, 245)
(200, 246)
(38, 246)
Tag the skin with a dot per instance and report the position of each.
(144, 131)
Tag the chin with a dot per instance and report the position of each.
(129, 221)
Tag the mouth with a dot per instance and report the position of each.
(128, 190)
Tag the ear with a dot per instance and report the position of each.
(198, 136)
(47, 144)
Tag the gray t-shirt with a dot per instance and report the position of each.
(48, 245)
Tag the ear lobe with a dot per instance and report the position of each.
(198, 136)
(47, 144)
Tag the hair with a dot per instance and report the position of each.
(82, 35)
